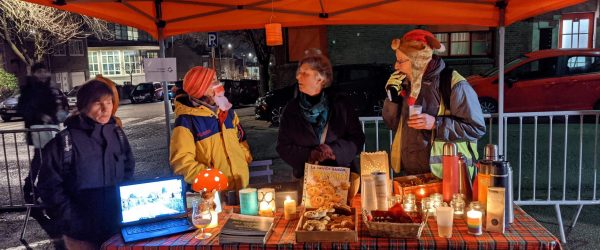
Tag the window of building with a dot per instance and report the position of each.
(474, 43)
(151, 54)
(76, 48)
(132, 34)
(111, 63)
(576, 31)
(60, 50)
(94, 63)
(131, 62)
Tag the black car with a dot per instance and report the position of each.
(8, 108)
(147, 92)
(362, 83)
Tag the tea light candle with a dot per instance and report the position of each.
(422, 193)
(289, 208)
(248, 201)
(266, 202)
(409, 203)
(474, 223)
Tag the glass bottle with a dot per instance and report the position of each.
(458, 204)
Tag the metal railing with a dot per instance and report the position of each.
(554, 155)
(17, 156)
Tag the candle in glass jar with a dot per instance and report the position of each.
(474, 223)
(409, 203)
(289, 208)
(248, 201)
(266, 202)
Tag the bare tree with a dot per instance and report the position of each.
(33, 31)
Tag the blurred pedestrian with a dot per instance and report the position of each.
(318, 125)
(207, 132)
(40, 104)
(81, 167)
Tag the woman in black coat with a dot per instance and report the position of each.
(317, 125)
(79, 187)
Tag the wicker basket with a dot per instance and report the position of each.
(394, 230)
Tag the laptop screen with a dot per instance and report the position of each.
(152, 199)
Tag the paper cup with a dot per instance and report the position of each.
(415, 110)
(444, 218)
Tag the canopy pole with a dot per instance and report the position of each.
(501, 35)
(160, 24)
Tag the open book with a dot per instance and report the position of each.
(246, 229)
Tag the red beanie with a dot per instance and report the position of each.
(197, 80)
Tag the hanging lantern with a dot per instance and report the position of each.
(273, 34)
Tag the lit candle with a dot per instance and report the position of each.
(289, 208)
(474, 222)
(421, 193)
(266, 202)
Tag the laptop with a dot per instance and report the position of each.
(153, 208)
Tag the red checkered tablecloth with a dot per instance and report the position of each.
(524, 233)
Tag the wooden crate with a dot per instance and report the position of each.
(326, 236)
(420, 191)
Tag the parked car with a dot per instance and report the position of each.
(545, 80)
(241, 91)
(147, 92)
(8, 108)
(363, 83)
(72, 97)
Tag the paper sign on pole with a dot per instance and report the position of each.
(160, 69)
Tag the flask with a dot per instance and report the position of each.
(450, 171)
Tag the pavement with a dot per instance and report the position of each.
(262, 139)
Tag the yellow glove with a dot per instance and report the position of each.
(394, 84)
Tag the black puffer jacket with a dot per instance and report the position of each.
(84, 195)
(297, 137)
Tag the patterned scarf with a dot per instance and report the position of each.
(316, 114)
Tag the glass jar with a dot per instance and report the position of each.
(475, 205)
(426, 206)
(435, 202)
(458, 204)
(409, 203)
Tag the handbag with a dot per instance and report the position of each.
(40, 138)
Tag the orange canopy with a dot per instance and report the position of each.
(184, 16)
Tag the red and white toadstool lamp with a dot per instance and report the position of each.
(209, 182)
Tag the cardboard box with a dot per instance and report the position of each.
(411, 184)
(326, 236)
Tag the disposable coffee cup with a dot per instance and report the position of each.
(415, 110)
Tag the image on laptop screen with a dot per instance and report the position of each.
(151, 200)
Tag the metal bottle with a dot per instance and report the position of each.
(450, 180)
(502, 177)
(464, 179)
(484, 179)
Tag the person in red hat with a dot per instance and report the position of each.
(207, 132)
(428, 104)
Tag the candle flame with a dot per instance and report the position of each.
(288, 198)
(422, 191)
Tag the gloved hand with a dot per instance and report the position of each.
(393, 86)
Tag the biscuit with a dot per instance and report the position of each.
(313, 191)
(337, 198)
(328, 190)
(342, 209)
(327, 197)
(317, 201)
(341, 229)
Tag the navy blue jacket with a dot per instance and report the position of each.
(83, 197)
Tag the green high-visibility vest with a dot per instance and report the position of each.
(467, 148)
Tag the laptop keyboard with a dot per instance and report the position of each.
(156, 226)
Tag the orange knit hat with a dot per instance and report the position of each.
(197, 80)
